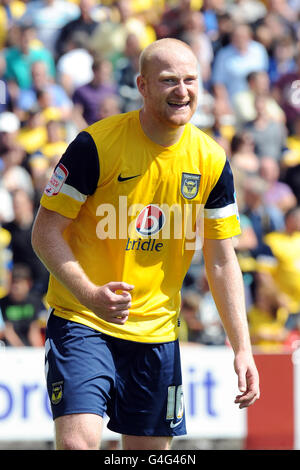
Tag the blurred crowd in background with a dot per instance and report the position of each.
(67, 64)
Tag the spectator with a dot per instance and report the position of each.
(5, 95)
(212, 10)
(224, 32)
(212, 333)
(278, 193)
(41, 81)
(9, 129)
(21, 309)
(32, 135)
(48, 17)
(190, 325)
(292, 155)
(88, 98)
(12, 159)
(126, 71)
(243, 157)
(244, 101)
(264, 219)
(264, 34)
(194, 34)
(234, 62)
(292, 178)
(41, 169)
(85, 23)
(246, 11)
(267, 317)
(172, 21)
(3, 26)
(110, 106)
(10, 12)
(244, 244)
(282, 60)
(287, 93)
(270, 28)
(17, 177)
(20, 230)
(38, 90)
(291, 161)
(199, 319)
(6, 206)
(76, 57)
(283, 10)
(203, 116)
(19, 59)
(56, 143)
(285, 247)
(109, 38)
(48, 111)
(2, 326)
(269, 136)
(5, 261)
(222, 128)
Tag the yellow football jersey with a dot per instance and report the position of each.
(136, 207)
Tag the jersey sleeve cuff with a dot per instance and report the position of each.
(62, 204)
(218, 229)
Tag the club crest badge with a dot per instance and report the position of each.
(57, 393)
(190, 185)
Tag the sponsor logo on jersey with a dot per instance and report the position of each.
(190, 185)
(143, 245)
(126, 178)
(57, 180)
(150, 221)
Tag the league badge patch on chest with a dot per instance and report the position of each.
(57, 392)
(190, 183)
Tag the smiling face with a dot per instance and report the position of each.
(168, 83)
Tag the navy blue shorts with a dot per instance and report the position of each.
(138, 385)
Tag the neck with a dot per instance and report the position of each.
(242, 49)
(24, 50)
(261, 120)
(86, 19)
(96, 83)
(160, 134)
(290, 230)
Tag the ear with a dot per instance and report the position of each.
(141, 85)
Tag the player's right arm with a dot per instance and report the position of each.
(75, 178)
(52, 249)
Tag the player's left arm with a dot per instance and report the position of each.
(226, 284)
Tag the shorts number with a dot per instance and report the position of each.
(175, 402)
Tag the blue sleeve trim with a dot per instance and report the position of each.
(82, 162)
(223, 193)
